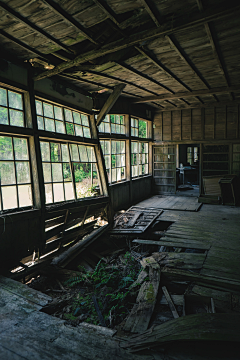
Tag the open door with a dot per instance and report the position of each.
(164, 169)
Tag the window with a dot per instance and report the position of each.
(69, 171)
(139, 158)
(61, 120)
(11, 108)
(15, 179)
(192, 154)
(115, 159)
(138, 128)
(113, 124)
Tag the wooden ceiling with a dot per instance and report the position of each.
(171, 54)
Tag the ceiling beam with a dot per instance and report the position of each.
(194, 93)
(165, 29)
(147, 5)
(34, 27)
(110, 102)
(214, 48)
(68, 19)
(206, 105)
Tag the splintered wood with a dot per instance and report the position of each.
(135, 220)
(142, 311)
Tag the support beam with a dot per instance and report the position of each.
(148, 7)
(108, 11)
(68, 19)
(194, 93)
(165, 29)
(110, 102)
(136, 72)
(31, 25)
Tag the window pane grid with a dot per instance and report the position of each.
(139, 158)
(115, 159)
(11, 108)
(56, 118)
(113, 124)
(15, 177)
(69, 171)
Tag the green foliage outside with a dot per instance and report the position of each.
(142, 129)
(111, 286)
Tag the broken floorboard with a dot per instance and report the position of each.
(199, 327)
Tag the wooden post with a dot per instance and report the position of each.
(201, 169)
(203, 123)
(110, 102)
(214, 122)
(180, 124)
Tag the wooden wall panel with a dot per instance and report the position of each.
(167, 126)
(220, 123)
(232, 116)
(157, 130)
(196, 124)
(176, 125)
(209, 123)
(186, 124)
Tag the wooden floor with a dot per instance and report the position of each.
(174, 202)
(28, 333)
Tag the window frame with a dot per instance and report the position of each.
(138, 161)
(110, 155)
(23, 110)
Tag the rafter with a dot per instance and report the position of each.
(148, 7)
(110, 102)
(68, 19)
(214, 48)
(165, 29)
(31, 25)
(179, 95)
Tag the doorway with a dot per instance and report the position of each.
(188, 170)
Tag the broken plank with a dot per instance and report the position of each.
(177, 299)
(133, 220)
(170, 302)
(149, 262)
(175, 243)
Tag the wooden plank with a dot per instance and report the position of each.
(170, 302)
(175, 243)
(133, 220)
(148, 7)
(177, 300)
(110, 102)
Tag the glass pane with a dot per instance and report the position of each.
(49, 125)
(70, 128)
(118, 174)
(23, 172)
(140, 169)
(142, 129)
(122, 147)
(45, 151)
(55, 152)
(20, 149)
(39, 107)
(47, 172)
(15, 100)
(84, 120)
(113, 147)
(68, 115)
(123, 173)
(3, 97)
(86, 132)
(118, 158)
(113, 128)
(123, 160)
(118, 129)
(83, 153)
(101, 127)
(90, 154)
(48, 110)
(58, 193)
(58, 113)
(121, 119)
(136, 132)
(132, 131)
(25, 195)
(76, 118)
(7, 173)
(118, 147)
(112, 120)
(57, 172)
(107, 128)
(3, 116)
(79, 131)
(114, 175)
(65, 154)
(48, 194)
(136, 123)
(107, 161)
(69, 194)
(107, 147)
(40, 123)
(113, 159)
(67, 172)
(117, 119)
(60, 127)
(16, 118)
(9, 197)
(82, 175)
(123, 129)
(74, 153)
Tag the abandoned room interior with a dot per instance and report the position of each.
(119, 179)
